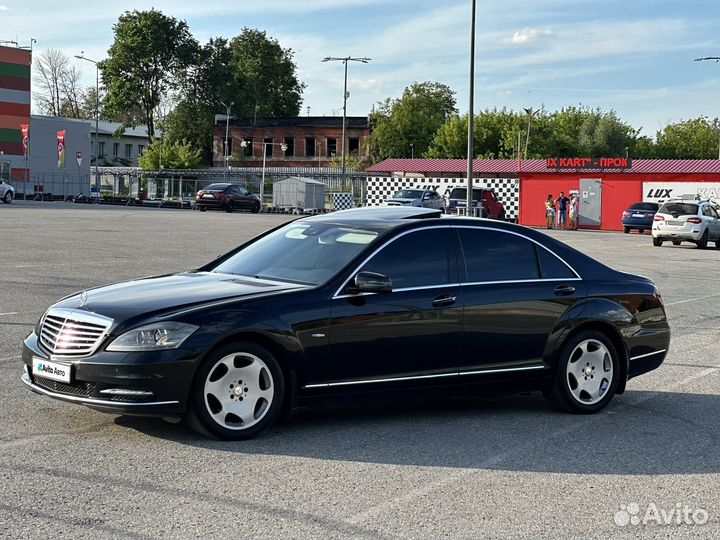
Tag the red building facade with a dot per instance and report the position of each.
(309, 141)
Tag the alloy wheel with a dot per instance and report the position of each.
(589, 372)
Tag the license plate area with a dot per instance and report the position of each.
(51, 370)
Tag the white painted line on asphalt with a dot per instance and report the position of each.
(27, 265)
(9, 313)
(691, 299)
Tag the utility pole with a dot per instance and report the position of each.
(226, 154)
(471, 118)
(345, 60)
(97, 119)
(530, 112)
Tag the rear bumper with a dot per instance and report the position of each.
(637, 223)
(690, 235)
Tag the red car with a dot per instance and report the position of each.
(228, 197)
(457, 198)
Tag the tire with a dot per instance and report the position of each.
(237, 392)
(717, 243)
(586, 375)
(676, 242)
(703, 242)
(8, 197)
(203, 208)
(227, 205)
(657, 242)
(626, 230)
(255, 209)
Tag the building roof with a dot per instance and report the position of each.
(302, 179)
(109, 128)
(357, 122)
(507, 166)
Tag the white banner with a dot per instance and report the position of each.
(659, 192)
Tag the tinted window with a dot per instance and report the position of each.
(417, 259)
(409, 194)
(498, 256)
(551, 267)
(461, 193)
(215, 187)
(645, 206)
(679, 209)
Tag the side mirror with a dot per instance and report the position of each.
(370, 282)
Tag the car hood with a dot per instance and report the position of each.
(125, 300)
(402, 200)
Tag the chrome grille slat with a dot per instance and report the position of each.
(66, 332)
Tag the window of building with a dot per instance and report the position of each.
(249, 146)
(268, 146)
(128, 150)
(290, 143)
(141, 149)
(101, 148)
(310, 146)
(116, 149)
(331, 146)
(354, 146)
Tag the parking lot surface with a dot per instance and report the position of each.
(489, 467)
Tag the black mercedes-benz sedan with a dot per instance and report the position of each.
(355, 303)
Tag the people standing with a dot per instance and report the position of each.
(550, 211)
(562, 203)
(572, 209)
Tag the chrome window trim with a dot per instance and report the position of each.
(449, 226)
(647, 354)
(88, 401)
(419, 377)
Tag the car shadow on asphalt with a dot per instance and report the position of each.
(639, 433)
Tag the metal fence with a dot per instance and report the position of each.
(180, 186)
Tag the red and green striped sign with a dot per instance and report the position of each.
(14, 98)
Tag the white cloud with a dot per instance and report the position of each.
(528, 35)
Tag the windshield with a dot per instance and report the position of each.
(651, 206)
(409, 194)
(306, 253)
(461, 193)
(215, 187)
(679, 209)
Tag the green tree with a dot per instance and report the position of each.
(192, 122)
(406, 126)
(170, 155)
(149, 53)
(698, 138)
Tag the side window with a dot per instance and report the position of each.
(497, 256)
(551, 267)
(418, 259)
(713, 212)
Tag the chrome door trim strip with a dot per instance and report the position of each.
(449, 226)
(647, 354)
(418, 377)
(88, 401)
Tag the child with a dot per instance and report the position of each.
(550, 211)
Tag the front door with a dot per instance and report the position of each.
(590, 202)
(413, 331)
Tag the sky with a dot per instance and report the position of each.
(632, 56)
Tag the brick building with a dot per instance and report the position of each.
(311, 140)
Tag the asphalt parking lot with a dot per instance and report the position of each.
(501, 467)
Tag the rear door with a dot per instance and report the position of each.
(514, 292)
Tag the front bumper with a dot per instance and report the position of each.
(154, 383)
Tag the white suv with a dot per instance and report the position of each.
(681, 220)
(7, 192)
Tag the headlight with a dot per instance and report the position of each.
(153, 337)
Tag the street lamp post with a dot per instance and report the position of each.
(265, 144)
(226, 154)
(530, 112)
(97, 118)
(345, 61)
(471, 131)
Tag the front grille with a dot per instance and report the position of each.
(66, 332)
(78, 388)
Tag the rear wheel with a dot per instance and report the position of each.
(626, 230)
(676, 242)
(203, 208)
(703, 242)
(587, 374)
(657, 242)
(227, 205)
(237, 392)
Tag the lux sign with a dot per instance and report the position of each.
(589, 163)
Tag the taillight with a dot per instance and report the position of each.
(659, 218)
(200, 193)
(658, 297)
(626, 214)
(694, 220)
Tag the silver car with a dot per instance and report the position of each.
(681, 220)
(7, 192)
(427, 198)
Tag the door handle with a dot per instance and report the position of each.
(444, 300)
(564, 290)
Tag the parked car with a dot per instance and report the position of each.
(456, 198)
(7, 192)
(228, 197)
(426, 198)
(639, 216)
(682, 220)
(359, 302)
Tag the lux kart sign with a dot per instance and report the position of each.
(660, 192)
(589, 163)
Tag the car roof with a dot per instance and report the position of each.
(378, 215)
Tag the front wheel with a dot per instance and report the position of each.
(8, 198)
(256, 208)
(203, 208)
(626, 230)
(703, 242)
(676, 242)
(587, 374)
(237, 392)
